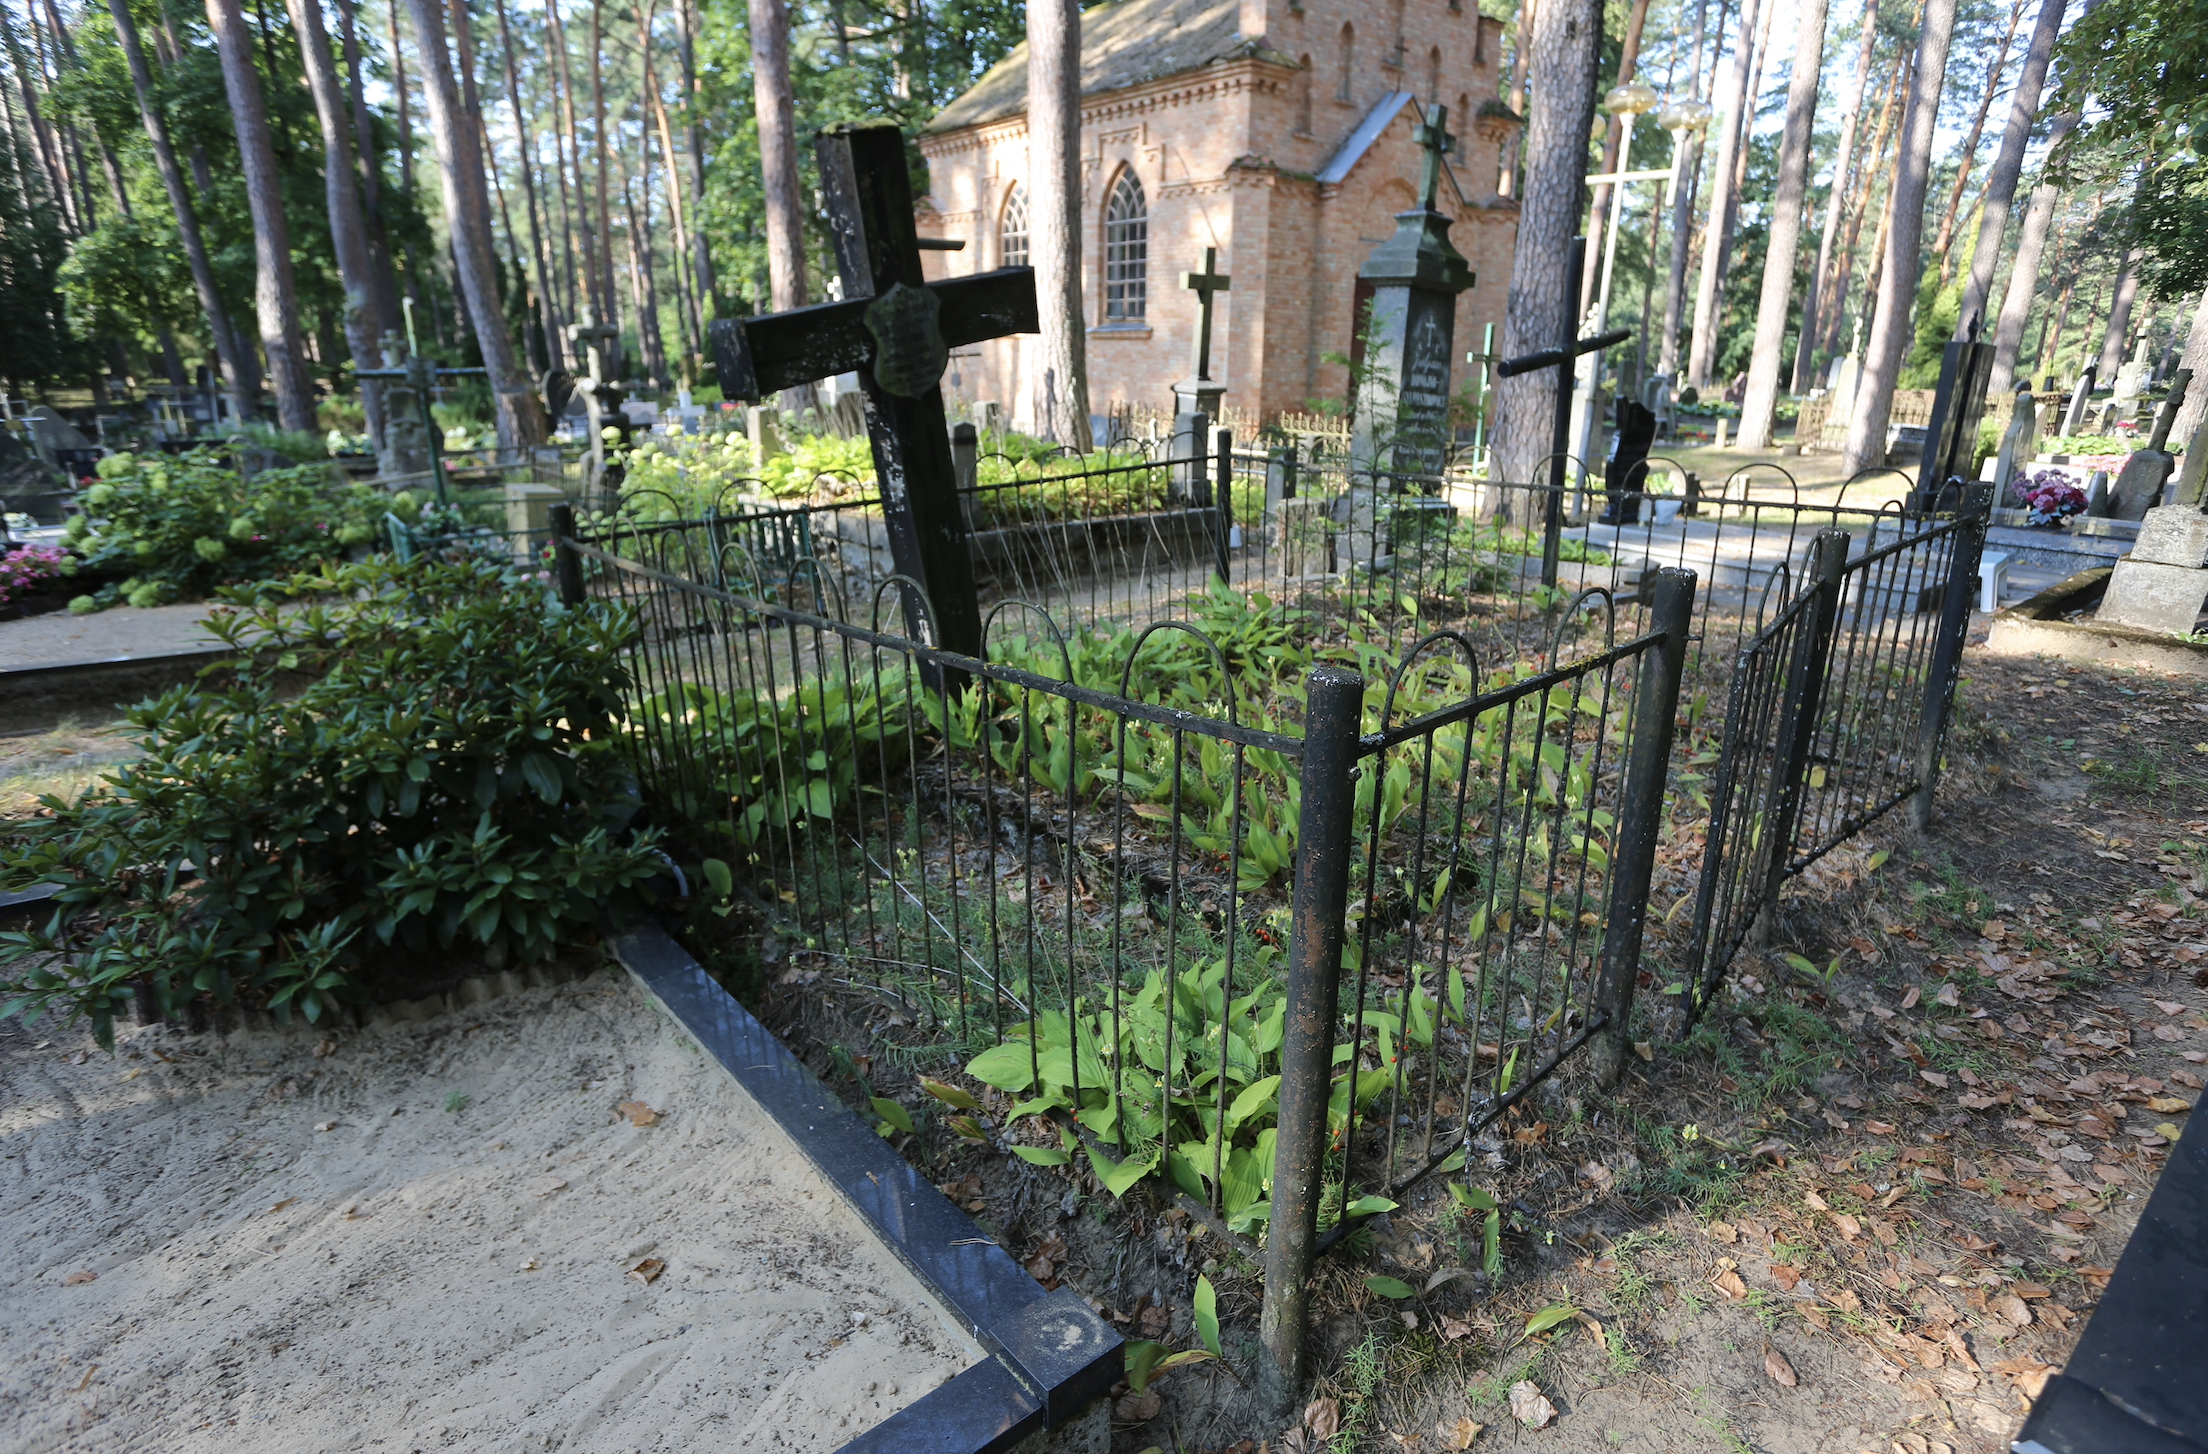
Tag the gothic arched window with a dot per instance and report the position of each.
(1012, 230)
(1303, 99)
(1433, 77)
(1126, 252)
(1348, 60)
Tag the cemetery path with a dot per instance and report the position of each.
(60, 639)
(424, 1234)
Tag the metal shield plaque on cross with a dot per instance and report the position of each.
(909, 352)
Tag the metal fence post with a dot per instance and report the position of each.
(567, 566)
(1640, 816)
(1805, 695)
(1335, 705)
(1223, 529)
(1947, 647)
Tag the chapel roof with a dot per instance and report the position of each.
(1123, 43)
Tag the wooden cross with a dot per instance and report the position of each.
(1434, 137)
(896, 330)
(1203, 285)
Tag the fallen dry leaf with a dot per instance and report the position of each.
(1528, 1406)
(1786, 1277)
(1728, 1282)
(1645, 1050)
(1909, 999)
(287, 1201)
(1725, 1232)
(1139, 1408)
(1949, 996)
(1781, 1372)
(2168, 1105)
(1454, 1328)
(638, 1113)
(1457, 1435)
(1815, 1202)
(544, 1186)
(1933, 1078)
(648, 1271)
(77, 1279)
(1323, 1417)
(2010, 1308)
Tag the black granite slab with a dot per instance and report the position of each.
(2138, 1382)
(1048, 1348)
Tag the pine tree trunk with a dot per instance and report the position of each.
(386, 279)
(1875, 165)
(567, 160)
(43, 138)
(348, 229)
(603, 155)
(1598, 210)
(1057, 381)
(1732, 106)
(1843, 158)
(776, 109)
(1760, 404)
(686, 317)
(1943, 243)
(275, 300)
(548, 309)
(2115, 335)
(219, 333)
(2008, 165)
(1541, 312)
(2016, 303)
(1506, 183)
(1904, 247)
(468, 214)
(1689, 162)
(701, 253)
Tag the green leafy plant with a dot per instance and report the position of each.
(158, 528)
(450, 775)
(1149, 1360)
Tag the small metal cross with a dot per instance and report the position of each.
(1203, 285)
(1434, 137)
(596, 339)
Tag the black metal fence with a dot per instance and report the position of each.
(1282, 934)
(1837, 714)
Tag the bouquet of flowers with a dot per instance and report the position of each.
(2050, 497)
(23, 572)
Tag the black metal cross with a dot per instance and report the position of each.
(1433, 136)
(1560, 433)
(1203, 284)
(896, 330)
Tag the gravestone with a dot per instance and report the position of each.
(1625, 475)
(763, 428)
(1656, 399)
(30, 486)
(2163, 583)
(1951, 438)
(2073, 418)
(599, 389)
(50, 433)
(2016, 446)
(896, 330)
(406, 458)
(1415, 277)
(2131, 379)
(988, 418)
(1198, 398)
(641, 413)
(2097, 499)
(2138, 487)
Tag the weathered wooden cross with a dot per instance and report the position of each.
(1204, 284)
(1561, 359)
(1434, 139)
(896, 330)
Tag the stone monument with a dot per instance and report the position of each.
(406, 458)
(2073, 418)
(2163, 583)
(2131, 379)
(1402, 425)
(1198, 398)
(2138, 486)
(2016, 446)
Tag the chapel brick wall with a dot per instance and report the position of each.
(1227, 159)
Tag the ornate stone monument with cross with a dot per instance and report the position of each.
(1402, 424)
(601, 394)
(1198, 398)
(896, 330)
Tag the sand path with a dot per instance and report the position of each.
(420, 1277)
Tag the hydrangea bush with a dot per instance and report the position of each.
(159, 528)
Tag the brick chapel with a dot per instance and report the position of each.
(1277, 132)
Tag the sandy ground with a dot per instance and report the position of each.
(59, 639)
(422, 1236)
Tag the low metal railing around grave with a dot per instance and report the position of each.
(1837, 713)
(1286, 945)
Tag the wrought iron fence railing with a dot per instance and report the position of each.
(1285, 944)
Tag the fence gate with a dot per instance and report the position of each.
(1837, 715)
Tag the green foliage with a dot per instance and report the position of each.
(2144, 66)
(161, 528)
(2169, 213)
(450, 776)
